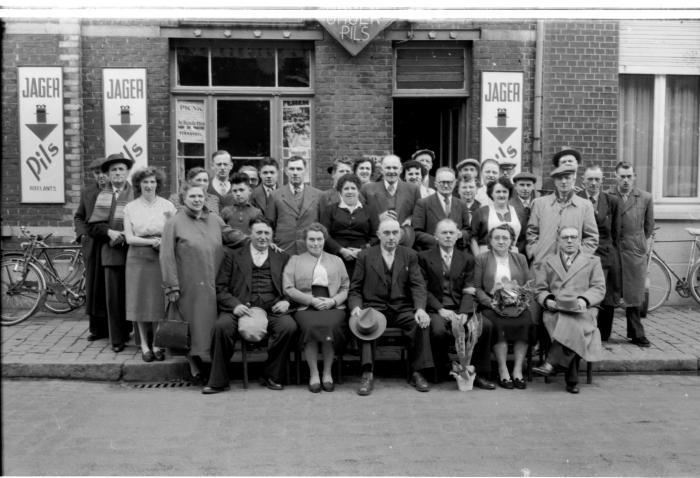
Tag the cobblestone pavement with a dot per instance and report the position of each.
(621, 425)
(54, 346)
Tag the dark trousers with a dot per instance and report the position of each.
(605, 320)
(115, 285)
(635, 329)
(441, 338)
(564, 358)
(281, 330)
(419, 352)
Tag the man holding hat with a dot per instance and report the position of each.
(95, 303)
(387, 287)
(106, 227)
(524, 185)
(426, 157)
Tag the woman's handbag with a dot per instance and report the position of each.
(173, 332)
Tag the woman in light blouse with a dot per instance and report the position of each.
(318, 284)
(144, 219)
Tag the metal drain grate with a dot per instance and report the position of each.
(179, 384)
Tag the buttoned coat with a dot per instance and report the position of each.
(289, 220)
(636, 226)
(460, 275)
(429, 211)
(110, 255)
(298, 277)
(378, 200)
(577, 331)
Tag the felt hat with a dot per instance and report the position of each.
(568, 302)
(96, 163)
(524, 176)
(116, 158)
(253, 327)
(562, 170)
(565, 152)
(472, 161)
(369, 324)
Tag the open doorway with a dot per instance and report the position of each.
(432, 123)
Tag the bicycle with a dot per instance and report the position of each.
(659, 274)
(32, 277)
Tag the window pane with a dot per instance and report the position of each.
(432, 68)
(681, 136)
(243, 127)
(293, 67)
(637, 125)
(243, 66)
(192, 67)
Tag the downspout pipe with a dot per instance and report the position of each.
(537, 166)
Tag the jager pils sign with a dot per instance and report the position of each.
(41, 134)
(125, 107)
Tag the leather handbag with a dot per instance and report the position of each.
(173, 332)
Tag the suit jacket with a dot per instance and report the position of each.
(110, 255)
(523, 216)
(80, 219)
(461, 275)
(235, 277)
(290, 221)
(485, 274)
(378, 200)
(607, 217)
(298, 275)
(407, 292)
(429, 212)
(260, 200)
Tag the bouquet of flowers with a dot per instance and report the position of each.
(510, 299)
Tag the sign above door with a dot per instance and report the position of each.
(354, 33)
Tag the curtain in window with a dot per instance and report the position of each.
(681, 136)
(637, 125)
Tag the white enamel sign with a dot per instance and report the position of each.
(502, 117)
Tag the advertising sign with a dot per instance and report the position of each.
(126, 121)
(502, 117)
(41, 134)
(190, 121)
(354, 33)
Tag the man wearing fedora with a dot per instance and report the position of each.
(250, 279)
(447, 272)
(106, 227)
(387, 287)
(570, 284)
(524, 185)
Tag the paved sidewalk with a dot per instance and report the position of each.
(55, 346)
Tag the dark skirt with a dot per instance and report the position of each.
(322, 325)
(145, 299)
(514, 329)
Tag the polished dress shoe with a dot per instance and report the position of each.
(117, 348)
(366, 384)
(147, 356)
(484, 384)
(519, 383)
(573, 388)
(159, 355)
(642, 342)
(315, 387)
(271, 384)
(209, 390)
(93, 337)
(328, 386)
(506, 383)
(546, 370)
(419, 382)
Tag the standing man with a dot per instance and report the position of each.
(469, 167)
(388, 278)
(240, 212)
(524, 185)
(392, 198)
(221, 167)
(269, 176)
(106, 227)
(293, 208)
(251, 277)
(607, 217)
(252, 173)
(95, 303)
(432, 209)
(507, 168)
(426, 157)
(636, 227)
(565, 157)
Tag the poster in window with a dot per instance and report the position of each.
(190, 121)
(296, 129)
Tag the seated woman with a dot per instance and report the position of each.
(318, 284)
(492, 267)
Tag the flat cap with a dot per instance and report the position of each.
(562, 170)
(423, 151)
(464, 162)
(524, 176)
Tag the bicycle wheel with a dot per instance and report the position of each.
(659, 281)
(69, 268)
(23, 290)
(694, 282)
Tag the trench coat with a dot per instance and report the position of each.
(577, 331)
(636, 226)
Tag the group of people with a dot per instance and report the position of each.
(243, 257)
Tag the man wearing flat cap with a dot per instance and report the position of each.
(524, 185)
(106, 227)
(426, 157)
(468, 167)
(563, 157)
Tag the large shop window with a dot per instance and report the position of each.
(660, 134)
(251, 99)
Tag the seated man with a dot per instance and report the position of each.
(251, 277)
(447, 271)
(387, 278)
(237, 211)
(570, 283)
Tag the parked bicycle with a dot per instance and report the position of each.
(659, 274)
(40, 274)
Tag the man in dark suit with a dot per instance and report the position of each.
(221, 167)
(293, 208)
(524, 185)
(607, 216)
(432, 209)
(96, 303)
(392, 198)
(269, 177)
(251, 277)
(447, 272)
(388, 278)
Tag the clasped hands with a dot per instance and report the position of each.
(280, 307)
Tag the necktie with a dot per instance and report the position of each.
(592, 201)
(391, 189)
(446, 199)
(568, 261)
(446, 262)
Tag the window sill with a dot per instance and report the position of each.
(684, 212)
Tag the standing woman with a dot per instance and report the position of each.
(489, 216)
(318, 283)
(199, 177)
(144, 219)
(364, 169)
(191, 250)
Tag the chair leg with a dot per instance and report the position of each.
(339, 365)
(589, 373)
(297, 361)
(244, 361)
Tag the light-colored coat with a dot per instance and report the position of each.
(289, 220)
(577, 331)
(298, 275)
